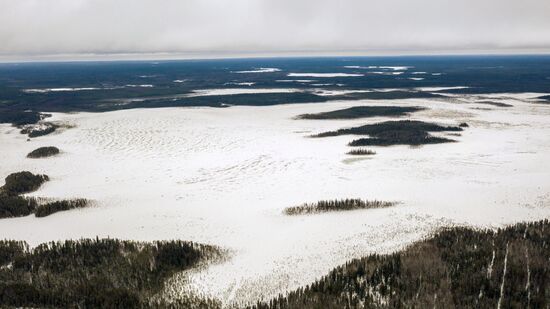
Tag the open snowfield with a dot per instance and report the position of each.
(223, 176)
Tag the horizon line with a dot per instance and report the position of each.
(204, 56)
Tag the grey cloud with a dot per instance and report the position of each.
(41, 27)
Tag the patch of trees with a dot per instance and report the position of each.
(363, 112)
(41, 129)
(62, 205)
(97, 273)
(403, 132)
(43, 152)
(361, 152)
(12, 204)
(390, 138)
(335, 205)
(493, 103)
(16, 206)
(458, 268)
(22, 182)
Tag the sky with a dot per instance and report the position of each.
(35, 29)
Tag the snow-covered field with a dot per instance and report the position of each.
(223, 176)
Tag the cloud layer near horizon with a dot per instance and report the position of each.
(39, 27)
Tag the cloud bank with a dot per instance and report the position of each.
(52, 27)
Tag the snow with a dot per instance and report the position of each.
(46, 90)
(323, 75)
(139, 86)
(223, 176)
(295, 80)
(386, 73)
(440, 88)
(259, 70)
(249, 84)
(395, 68)
(231, 91)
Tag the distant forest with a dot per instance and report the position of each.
(458, 268)
(363, 112)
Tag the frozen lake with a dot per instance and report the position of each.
(223, 176)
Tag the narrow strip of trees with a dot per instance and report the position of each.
(361, 152)
(335, 205)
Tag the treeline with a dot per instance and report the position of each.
(403, 132)
(43, 152)
(458, 268)
(62, 205)
(390, 138)
(12, 204)
(363, 112)
(361, 152)
(20, 118)
(335, 205)
(97, 273)
(28, 122)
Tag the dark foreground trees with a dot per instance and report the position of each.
(458, 268)
(96, 273)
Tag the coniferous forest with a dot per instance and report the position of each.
(12, 204)
(97, 273)
(43, 152)
(335, 205)
(402, 132)
(458, 268)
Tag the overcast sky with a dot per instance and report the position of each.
(61, 28)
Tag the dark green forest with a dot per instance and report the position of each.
(12, 204)
(22, 182)
(458, 268)
(363, 112)
(46, 209)
(97, 273)
(402, 132)
(43, 152)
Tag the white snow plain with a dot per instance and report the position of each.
(223, 177)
